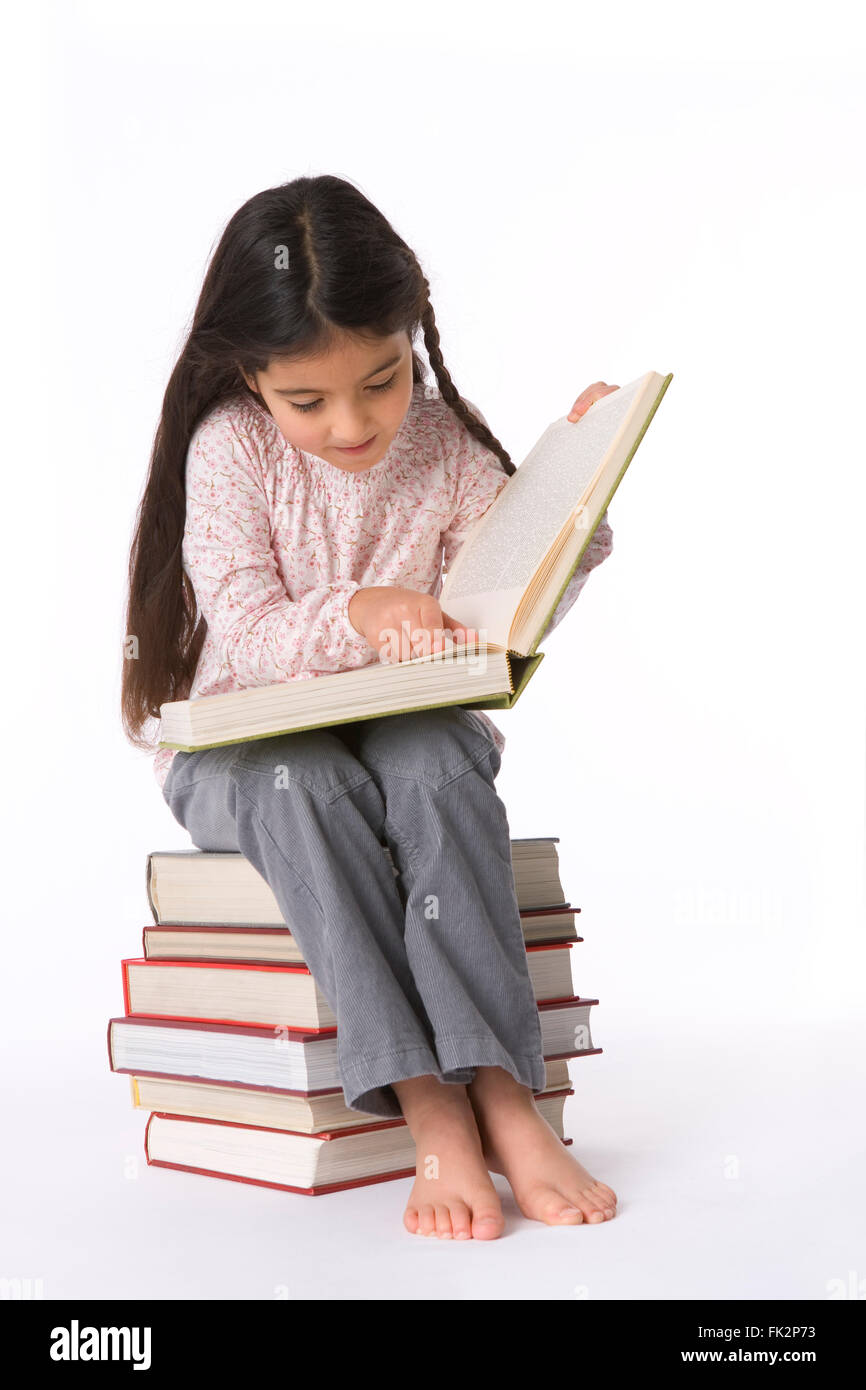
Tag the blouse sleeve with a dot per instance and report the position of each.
(262, 635)
(598, 549)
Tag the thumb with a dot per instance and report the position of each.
(469, 633)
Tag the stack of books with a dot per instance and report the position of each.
(229, 1043)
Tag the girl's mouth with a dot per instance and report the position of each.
(359, 448)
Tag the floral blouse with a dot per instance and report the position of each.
(277, 540)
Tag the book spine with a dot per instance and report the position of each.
(284, 1187)
(148, 887)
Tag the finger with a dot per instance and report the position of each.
(469, 634)
(425, 625)
(428, 614)
(580, 407)
(409, 633)
(388, 646)
(423, 640)
(397, 641)
(428, 640)
(587, 397)
(584, 400)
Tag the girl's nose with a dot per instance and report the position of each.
(350, 436)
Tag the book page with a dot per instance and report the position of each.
(507, 545)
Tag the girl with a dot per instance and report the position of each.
(305, 485)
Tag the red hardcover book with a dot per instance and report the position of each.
(285, 1009)
(316, 1189)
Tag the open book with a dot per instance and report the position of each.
(505, 582)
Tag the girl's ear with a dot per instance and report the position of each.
(251, 382)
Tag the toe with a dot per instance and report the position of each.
(487, 1223)
(554, 1208)
(426, 1220)
(591, 1212)
(410, 1220)
(568, 1199)
(592, 1204)
(443, 1222)
(461, 1221)
(604, 1198)
(602, 1191)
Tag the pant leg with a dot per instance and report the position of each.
(449, 836)
(309, 817)
(206, 808)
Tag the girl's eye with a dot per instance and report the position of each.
(381, 386)
(385, 385)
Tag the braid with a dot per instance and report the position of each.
(449, 393)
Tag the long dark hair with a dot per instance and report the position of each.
(349, 272)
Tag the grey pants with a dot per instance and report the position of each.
(426, 974)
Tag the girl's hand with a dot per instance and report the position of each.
(403, 623)
(586, 398)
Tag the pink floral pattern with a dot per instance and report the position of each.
(277, 540)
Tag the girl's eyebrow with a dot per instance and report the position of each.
(308, 390)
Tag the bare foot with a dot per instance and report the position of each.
(452, 1196)
(549, 1185)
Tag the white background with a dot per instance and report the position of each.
(594, 192)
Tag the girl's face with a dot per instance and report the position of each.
(327, 404)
